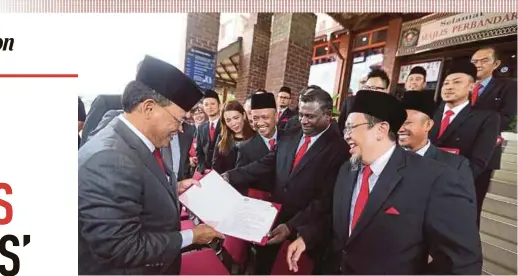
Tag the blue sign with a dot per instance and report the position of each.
(200, 66)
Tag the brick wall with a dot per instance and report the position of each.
(254, 55)
(291, 49)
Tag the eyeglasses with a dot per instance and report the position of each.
(482, 61)
(375, 88)
(181, 121)
(348, 129)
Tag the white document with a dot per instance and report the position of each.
(221, 206)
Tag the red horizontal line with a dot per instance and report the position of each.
(39, 75)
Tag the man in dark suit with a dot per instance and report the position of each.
(304, 165)
(101, 105)
(377, 80)
(493, 94)
(458, 127)
(392, 208)
(129, 212)
(208, 131)
(413, 136)
(284, 112)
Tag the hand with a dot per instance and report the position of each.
(193, 161)
(204, 234)
(295, 249)
(279, 234)
(185, 184)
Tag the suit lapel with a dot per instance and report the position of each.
(292, 149)
(488, 90)
(464, 114)
(385, 184)
(312, 152)
(437, 118)
(346, 191)
(144, 154)
(167, 155)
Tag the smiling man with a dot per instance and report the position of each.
(472, 133)
(392, 208)
(129, 215)
(304, 165)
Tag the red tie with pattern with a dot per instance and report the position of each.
(301, 151)
(272, 143)
(474, 94)
(445, 122)
(159, 159)
(363, 196)
(211, 132)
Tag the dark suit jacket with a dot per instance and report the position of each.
(205, 148)
(499, 96)
(305, 189)
(224, 162)
(457, 162)
(436, 216)
(344, 112)
(101, 105)
(287, 115)
(185, 139)
(129, 214)
(106, 119)
(473, 132)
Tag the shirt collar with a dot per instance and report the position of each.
(379, 164)
(142, 137)
(266, 140)
(215, 121)
(486, 81)
(456, 109)
(281, 110)
(314, 138)
(424, 149)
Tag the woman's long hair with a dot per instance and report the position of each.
(226, 133)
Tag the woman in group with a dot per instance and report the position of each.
(235, 129)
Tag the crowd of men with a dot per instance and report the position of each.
(393, 186)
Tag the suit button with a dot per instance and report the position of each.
(285, 189)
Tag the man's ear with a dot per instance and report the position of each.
(429, 124)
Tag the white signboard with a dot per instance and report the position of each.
(432, 71)
(462, 24)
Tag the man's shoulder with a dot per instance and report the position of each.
(106, 142)
(249, 144)
(449, 158)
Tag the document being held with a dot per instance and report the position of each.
(221, 206)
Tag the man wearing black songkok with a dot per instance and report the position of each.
(469, 132)
(392, 208)
(129, 212)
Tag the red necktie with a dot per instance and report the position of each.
(211, 132)
(278, 115)
(301, 152)
(445, 122)
(474, 94)
(159, 159)
(272, 143)
(192, 150)
(363, 196)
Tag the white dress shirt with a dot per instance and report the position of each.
(187, 235)
(313, 139)
(267, 141)
(424, 149)
(456, 110)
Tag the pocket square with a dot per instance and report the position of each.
(392, 211)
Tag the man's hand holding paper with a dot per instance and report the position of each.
(219, 205)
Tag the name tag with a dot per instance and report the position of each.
(451, 150)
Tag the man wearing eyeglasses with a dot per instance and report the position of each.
(284, 112)
(494, 94)
(391, 208)
(377, 80)
(129, 211)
